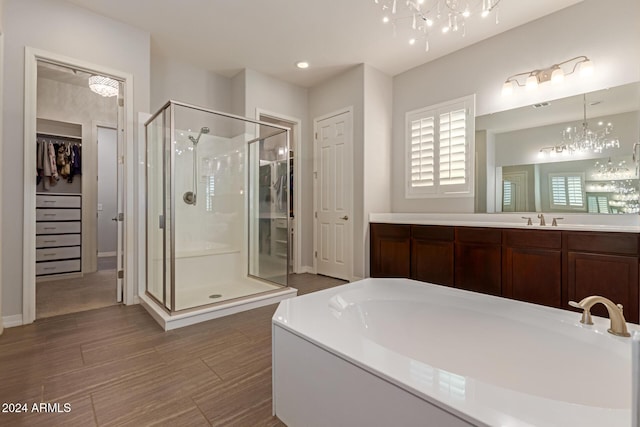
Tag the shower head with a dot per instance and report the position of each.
(197, 139)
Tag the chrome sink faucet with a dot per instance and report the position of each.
(618, 323)
(541, 218)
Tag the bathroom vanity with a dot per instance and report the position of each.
(542, 265)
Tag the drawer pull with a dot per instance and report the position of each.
(49, 268)
(49, 214)
(49, 241)
(49, 201)
(50, 228)
(49, 254)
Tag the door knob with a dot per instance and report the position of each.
(115, 218)
(346, 218)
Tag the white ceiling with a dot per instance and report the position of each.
(226, 36)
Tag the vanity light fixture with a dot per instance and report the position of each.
(104, 86)
(584, 139)
(420, 17)
(555, 74)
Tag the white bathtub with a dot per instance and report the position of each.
(400, 352)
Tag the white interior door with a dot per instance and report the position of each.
(334, 175)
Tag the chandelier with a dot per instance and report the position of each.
(104, 86)
(609, 170)
(584, 139)
(422, 17)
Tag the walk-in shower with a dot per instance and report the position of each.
(217, 220)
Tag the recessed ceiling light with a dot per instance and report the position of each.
(302, 64)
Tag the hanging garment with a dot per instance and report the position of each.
(77, 157)
(52, 164)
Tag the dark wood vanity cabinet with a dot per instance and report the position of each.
(547, 267)
(532, 266)
(432, 251)
(478, 260)
(603, 264)
(390, 250)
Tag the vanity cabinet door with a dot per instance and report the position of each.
(604, 264)
(532, 267)
(478, 260)
(390, 247)
(432, 252)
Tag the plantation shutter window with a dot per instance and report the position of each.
(422, 152)
(567, 191)
(439, 143)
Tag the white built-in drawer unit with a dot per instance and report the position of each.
(58, 201)
(48, 254)
(57, 267)
(58, 227)
(58, 234)
(57, 214)
(53, 240)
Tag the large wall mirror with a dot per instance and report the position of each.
(534, 163)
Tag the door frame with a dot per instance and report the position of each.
(316, 193)
(297, 204)
(31, 58)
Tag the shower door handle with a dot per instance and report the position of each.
(161, 221)
(346, 218)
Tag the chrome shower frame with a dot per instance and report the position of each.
(169, 255)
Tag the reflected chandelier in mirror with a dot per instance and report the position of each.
(602, 178)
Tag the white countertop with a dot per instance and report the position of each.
(569, 222)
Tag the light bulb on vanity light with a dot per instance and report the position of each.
(507, 88)
(532, 82)
(586, 68)
(557, 76)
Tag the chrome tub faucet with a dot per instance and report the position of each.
(541, 218)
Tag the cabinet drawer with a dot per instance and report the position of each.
(55, 267)
(614, 243)
(478, 235)
(433, 232)
(47, 201)
(57, 227)
(57, 214)
(533, 239)
(58, 240)
(50, 254)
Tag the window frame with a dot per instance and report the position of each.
(438, 190)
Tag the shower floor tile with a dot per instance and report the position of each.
(198, 295)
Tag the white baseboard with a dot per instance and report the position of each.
(306, 269)
(12, 321)
(106, 254)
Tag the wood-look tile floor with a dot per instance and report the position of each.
(116, 367)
